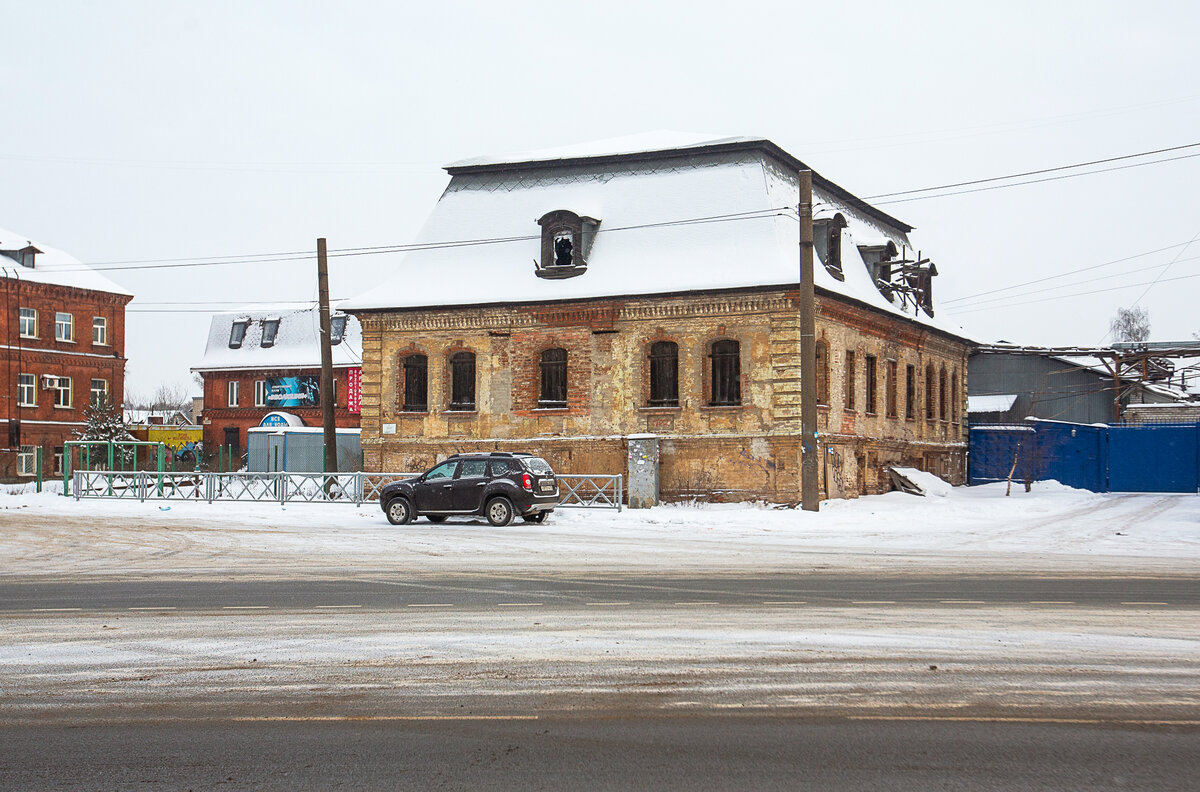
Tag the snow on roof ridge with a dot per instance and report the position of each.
(657, 140)
(53, 266)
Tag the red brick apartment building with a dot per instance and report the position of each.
(263, 368)
(62, 343)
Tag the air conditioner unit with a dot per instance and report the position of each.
(49, 382)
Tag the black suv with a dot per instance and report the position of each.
(498, 486)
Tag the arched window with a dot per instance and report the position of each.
(416, 383)
(822, 373)
(462, 381)
(726, 373)
(954, 396)
(930, 393)
(554, 378)
(664, 374)
(942, 400)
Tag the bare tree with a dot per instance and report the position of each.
(171, 397)
(1130, 324)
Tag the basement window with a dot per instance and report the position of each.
(237, 333)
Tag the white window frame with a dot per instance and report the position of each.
(99, 331)
(231, 394)
(62, 393)
(60, 324)
(27, 460)
(24, 386)
(28, 317)
(92, 391)
(260, 393)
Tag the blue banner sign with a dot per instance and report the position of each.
(293, 391)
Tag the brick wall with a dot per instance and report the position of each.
(80, 359)
(218, 416)
(751, 450)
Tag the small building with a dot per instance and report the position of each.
(1009, 386)
(650, 285)
(62, 345)
(264, 361)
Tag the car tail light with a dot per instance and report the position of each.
(527, 482)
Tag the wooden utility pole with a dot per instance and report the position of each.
(327, 394)
(810, 494)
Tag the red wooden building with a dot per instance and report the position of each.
(62, 344)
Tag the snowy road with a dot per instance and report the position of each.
(1057, 604)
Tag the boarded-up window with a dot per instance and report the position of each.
(954, 396)
(726, 360)
(930, 393)
(871, 375)
(554, 378)
(891, 388)
(822, 373)
(910, 392)
(850, 377)
(462, 381)
(942, 393)
(416, 383)
(664, 374)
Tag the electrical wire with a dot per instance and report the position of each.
(1036, 172)
(1077, 294)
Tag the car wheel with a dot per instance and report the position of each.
(399, 511)
(436, 518)
(536, 517)
(499, 511)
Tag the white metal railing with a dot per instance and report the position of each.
(590, 492)
(575, 491)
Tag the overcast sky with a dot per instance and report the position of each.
(152, 130)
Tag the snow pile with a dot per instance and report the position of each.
(929, 483)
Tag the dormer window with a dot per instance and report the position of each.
(566, 242)
(878, 259)
(270, 331)
(337, 329)
(237, 333)
(827, 242)
(27, 256)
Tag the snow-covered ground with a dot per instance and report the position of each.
(1053, 527)
(950, 659)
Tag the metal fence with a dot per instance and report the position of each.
(576, 491)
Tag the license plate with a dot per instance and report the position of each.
(547, 486)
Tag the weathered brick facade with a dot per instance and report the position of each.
(733, 452)
(50, 419)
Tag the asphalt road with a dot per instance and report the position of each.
(694, 753)
(385, 592)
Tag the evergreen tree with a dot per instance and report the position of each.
(105, 425)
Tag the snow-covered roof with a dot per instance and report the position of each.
(644, 142)
(52, 266)
(296, 344)
(696, 213)
(1001, 402)
(137, 416)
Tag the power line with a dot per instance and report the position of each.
(977, 303)
(1064, 274)
(1037, 181)
(1036, 172)
(1076, 294)
(265, 258)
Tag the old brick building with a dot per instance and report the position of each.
(63, 331)
(649, 285)
(267, 362)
